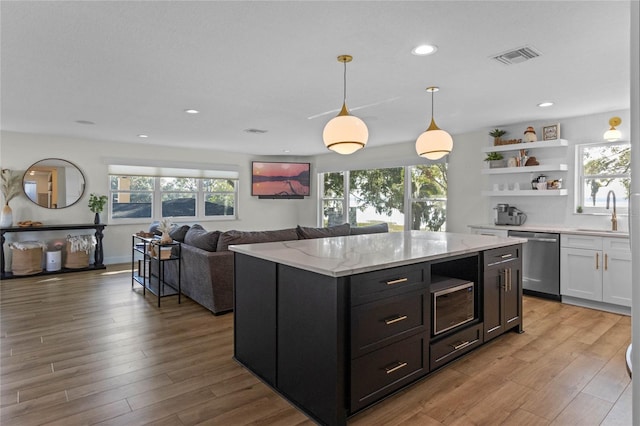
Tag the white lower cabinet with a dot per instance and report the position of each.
(616, 275)
(596, 268)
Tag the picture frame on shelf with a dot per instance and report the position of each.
(551, 132)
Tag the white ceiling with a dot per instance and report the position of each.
(134, 67)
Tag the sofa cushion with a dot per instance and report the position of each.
(370, 229)
(305, 233)
(199, 237)
(179, 232)
(251, 237)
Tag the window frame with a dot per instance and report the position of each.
(156, 201)
(408, 198)
(580, 177)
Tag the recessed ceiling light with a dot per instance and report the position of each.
(191, 111)
(545, 104)
(84, 122)
(286, 151)
(143, 136)
(424, 49)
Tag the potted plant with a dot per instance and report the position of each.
(497, 134)
(495, 160)
(96, 205)
(11, 185)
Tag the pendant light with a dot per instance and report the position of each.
(613, 134)
(434, 143)
(345, 133)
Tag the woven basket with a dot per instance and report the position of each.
(77, 250)
(76, 260)
(26, 259)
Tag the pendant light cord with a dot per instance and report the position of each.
(344, 93)
(432, 105)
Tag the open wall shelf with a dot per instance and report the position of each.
(526, 169)
(556, 143)
(527, 193)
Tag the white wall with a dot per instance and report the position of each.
(18, 151)
(557, 211)
(466, 205)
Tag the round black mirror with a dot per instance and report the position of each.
(53, 183)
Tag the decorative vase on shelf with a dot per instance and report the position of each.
(496, 164)
(165, 238)
(6, 219)
(96, 218)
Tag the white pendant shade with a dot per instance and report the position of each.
(434, 144)
(345, 134)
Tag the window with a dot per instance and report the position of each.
(144, 197)
(131, 196)
(219, 196)
(428, 197)
(333, 203)
(601, 168)
(384, 195)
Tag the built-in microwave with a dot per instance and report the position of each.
(452, 303)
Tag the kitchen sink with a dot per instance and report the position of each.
(608, 231)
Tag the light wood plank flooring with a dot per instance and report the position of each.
(84, 348)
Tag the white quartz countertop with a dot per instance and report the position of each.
(557, 230)
(355, 254)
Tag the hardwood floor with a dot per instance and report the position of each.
(84, 348)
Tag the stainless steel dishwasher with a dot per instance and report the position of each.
(540, 264)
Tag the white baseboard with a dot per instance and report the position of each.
(601, 306)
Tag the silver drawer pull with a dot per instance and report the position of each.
(397, 367)
(398, 281)
(460, 345)
(395, 320)
(506, 256)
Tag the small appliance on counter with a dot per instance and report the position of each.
(508, 215)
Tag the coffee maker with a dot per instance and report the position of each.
(508, 215)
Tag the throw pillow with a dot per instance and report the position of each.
(179, 232)
(198, 237)
(305, 233)
(153, 228)
(370, 229)
(252, 237)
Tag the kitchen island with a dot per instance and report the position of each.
(336, 324)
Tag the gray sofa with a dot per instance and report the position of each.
(207, 263)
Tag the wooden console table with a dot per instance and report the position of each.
(98, 257)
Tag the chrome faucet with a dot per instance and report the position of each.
(614, 218)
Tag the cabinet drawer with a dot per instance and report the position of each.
(581, 241)
(381, 372)
(379, 323)
(490, 231)
(389, 282)
(611, 244)
(501, 255)
(453, 346)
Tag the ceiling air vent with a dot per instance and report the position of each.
(255, 131)
(517, 55)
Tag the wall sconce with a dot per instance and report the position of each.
(613, 134)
